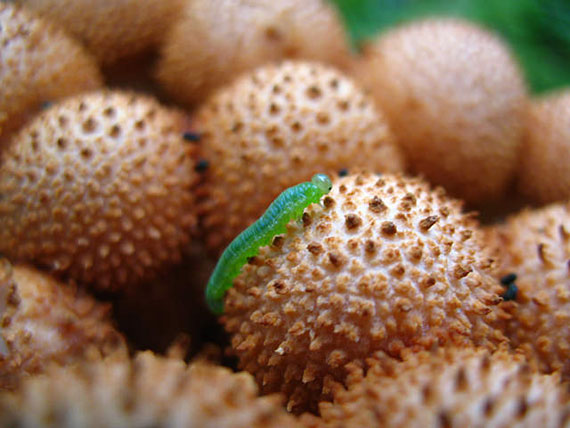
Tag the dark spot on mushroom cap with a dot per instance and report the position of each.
(444, 419)
(461, 382)
(428, 222)
(388, 228)
(313, 92)
(278, 241)
(315, 248)
(428, 282)
(352, 221)
(461, 271)
(376, 205)
(307, 220)
(488, 406)
(522, 407)
(336, 259)
(328, 202)
(540, 251)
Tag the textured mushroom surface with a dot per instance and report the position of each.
(38, 63)
(99, 187)
(276, 127)
(217, 39)
(147, 391)
(450, 388)
(544, 175)
(535, 245)
(45, 321)
(455, 99)
(385, 264)
(111, 29)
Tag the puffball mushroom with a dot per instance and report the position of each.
(99, 187)
(112, 29)
(38, 63)
(456, 100)
(543, 172)
(385, 264)
(276, 127)
(148, 390)
(215, 40)
(452, 388)
(45, 321)
(535, 245)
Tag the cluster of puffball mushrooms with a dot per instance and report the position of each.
(138, 138)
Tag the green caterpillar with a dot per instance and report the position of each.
(289, 205)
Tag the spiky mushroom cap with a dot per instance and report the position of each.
(543, 172)
(38, 63)
(276, 127)
(111, 29)
(99, 187)
(196, 60)
(385, 264)
(45, 321)
(456, 100)
(449, 388)
(535, 245)
(146, 391)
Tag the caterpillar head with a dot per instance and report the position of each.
(323, 183)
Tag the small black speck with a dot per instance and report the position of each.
(343, 172)
(192, 137)
(202, 165)
(46, 105)
(511, 293)
(508, 279)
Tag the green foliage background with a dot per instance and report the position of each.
(538, 31)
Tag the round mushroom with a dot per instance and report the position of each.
(45, 321)
(534, 245)
(276, 127)
(39, 64)
(99, 187)
(456, 100)
(449, 387)
(216, 40)
(146, 391)
(384, 264)
(112, 29)
(543, 172)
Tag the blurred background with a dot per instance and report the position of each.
(538, 31)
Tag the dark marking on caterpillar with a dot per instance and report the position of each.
(289, 205)
(343, 172)
(192, 137)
